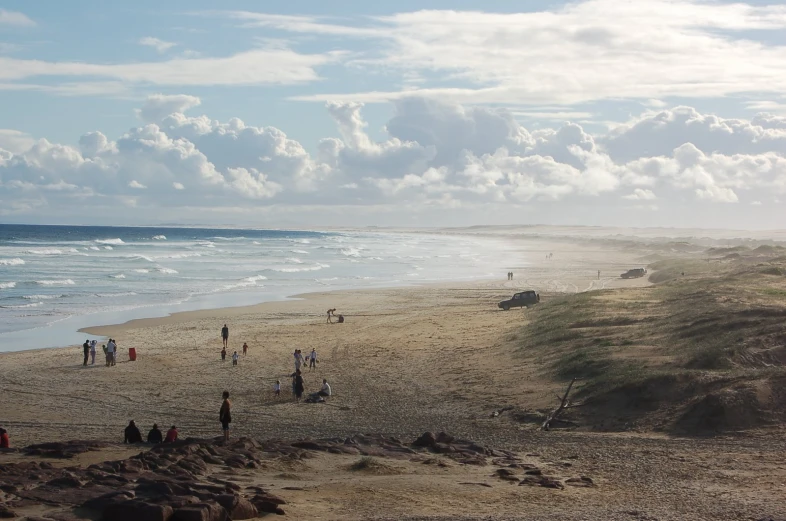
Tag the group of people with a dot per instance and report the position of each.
(310, 361)
(510, 275)
(235, 356)
(110, 350)
(132, 434)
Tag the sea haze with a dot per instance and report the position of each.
(57, 279)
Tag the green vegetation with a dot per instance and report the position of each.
(720, 328)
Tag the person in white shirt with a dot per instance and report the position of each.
(234, 358)
(325, 391)
(277, 388)
(312, 360)
(110, 352)
(93, 352)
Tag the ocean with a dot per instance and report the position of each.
(55, 280)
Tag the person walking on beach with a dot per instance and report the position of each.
(277, 388)
(225, 415)
(225, 335)
(245, 348)
(132, 434)
(234, 358)
(86, 349)
(330, 313)
(93, 352)
(312, 360)
(223, 353)
(154, 436)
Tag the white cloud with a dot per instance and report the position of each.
(15, 18)
(641, 194)
(554, 56)
(254, 67)
(159, 45)
(435, 157)
(158, 106)
(15, 141)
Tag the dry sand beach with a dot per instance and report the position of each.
(409, 360)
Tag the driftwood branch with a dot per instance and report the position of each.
(564, 404)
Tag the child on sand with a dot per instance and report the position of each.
(5, 442)
(277, 388)
(245, 348)
(223, 353)
(234, 358)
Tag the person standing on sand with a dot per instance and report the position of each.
(225, 415)
(299, 385)
(225, 335)
(93, 352)
(312, 360)
(245, 348)
(298, 359)
(110, 353)
(234, 358)
(277, 388)
(5, 441)
(223, 353)
(86, 349)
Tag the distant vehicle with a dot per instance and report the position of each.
(635, 273)
(524, 299)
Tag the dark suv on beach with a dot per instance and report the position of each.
(524, 299)
(635, 273)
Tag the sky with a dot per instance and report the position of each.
(300, 113)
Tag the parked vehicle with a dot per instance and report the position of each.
(524, 299)
(635, 273)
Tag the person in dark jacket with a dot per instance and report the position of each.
(5, 442)
(155, 436)
(86, 350)
(132, 434)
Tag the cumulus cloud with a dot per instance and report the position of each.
(158, 106)
(435, 155)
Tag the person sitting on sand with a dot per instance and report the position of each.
(341, 319)
(245, 348)
(325, 391)
(171, 435)
(223, 353)
(277, 388)
(132, 434)
(235, 358)
(154, 436)
(225, 415)
(5, 441)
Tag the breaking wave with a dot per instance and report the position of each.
(61, 282)
(11, 262)
(109, 241)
